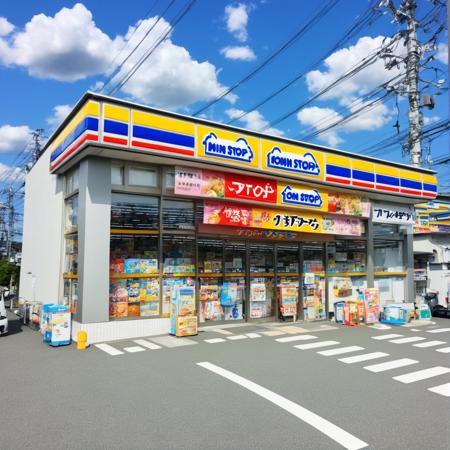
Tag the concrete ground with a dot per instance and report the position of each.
(253, 389)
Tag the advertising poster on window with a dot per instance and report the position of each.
(342, 226)
(350, 205)
(227, 214)
(289, 297)
(393, 213)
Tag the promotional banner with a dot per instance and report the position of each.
(350, 205)
(218, 213)
(393, 213)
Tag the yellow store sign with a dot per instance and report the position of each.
(295, 195)
(227, 147)
(286, 220)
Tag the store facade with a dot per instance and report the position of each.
(143, 201)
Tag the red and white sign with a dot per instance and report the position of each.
(257, 189)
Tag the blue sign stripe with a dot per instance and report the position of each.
(168, 137)
(362, 175)
(338, 171)
(385, 179)
(112, 126)
(429, 187)
(88, 123)
(410, 184)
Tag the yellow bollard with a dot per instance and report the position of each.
(81, 340)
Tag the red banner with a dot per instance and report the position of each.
(257, 189)
(227, 214)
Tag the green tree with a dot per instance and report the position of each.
(8, 269)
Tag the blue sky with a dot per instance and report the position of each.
(51, 52)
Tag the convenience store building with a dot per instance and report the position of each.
(129, 202)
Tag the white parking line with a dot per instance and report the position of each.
(340, 351)
(443, 389)
(443, 350)
(172, 341)
(237, 337)
(365, 357)
(220, 331)
(438, 330)
(272, 333)
(380, 326)
(407, 340)
(334, 432)
(429, 344)
(316, 345)
(391, 365)
(134, 349)
(422, 374)
(109, 349)
(301, 337)
(215, 340)
(146, 344)
(253, 335)
(386, 336)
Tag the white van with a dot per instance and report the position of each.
(3, 317)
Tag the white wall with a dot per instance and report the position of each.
(42, 234)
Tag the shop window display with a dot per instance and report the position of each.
(134, 212)
(234, 280)
(388, 256)
(178, 266)
(262, 288)
(287, 279)
(313, 282)
(70, 291)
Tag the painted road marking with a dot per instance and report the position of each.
(316, 345)
(340, 351)
(443, 389)
(387, 336)
(109, 349)
(134, 349)
(253, 335)
(391, 365)
(422, 374)
(334, 432)
(380, 326)
(301, 337)
(443, 350)
(147, 344)
(407, 340)
(220, 331)
(215, 340)
(172, 341)
(237, 337)
(365, 357)
(273, 333)
(429, 344)
(438, 330)
(415, 329)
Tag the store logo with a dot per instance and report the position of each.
(303, 197)
(237, 150)
(306, 163)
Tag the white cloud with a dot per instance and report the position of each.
(429, 120)
(253, 121)
(11, 174)
(344, 60)
(66, 47)
(236, 17)
(243, 53)
(319, 118)
(59, 113)
(5, 26)
(13, 138)
(442, 53)
(170, 77)
(70, 47)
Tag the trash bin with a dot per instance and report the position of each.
(339, 312)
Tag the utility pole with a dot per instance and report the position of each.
(10, 229)
(36, 136)
(412, 73)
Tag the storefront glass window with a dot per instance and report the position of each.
(262, 280)
(287, 258)
(178, 215)
(313, 282)
(117, 175)
(392, 289)
(71, 223)
(388, 256)
(148, 177)
(287, 280)
(385, 229)
(136, 212)
(70, 292)
(71, 181)
(346, 256)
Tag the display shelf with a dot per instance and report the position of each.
(319, 274)
(131, 231)
(173, 275)
(234, 274)
(346, 274)
(133, 275)
(391, 274)
(210, 275)
(287, 274)
(261, 275)
(70, 276)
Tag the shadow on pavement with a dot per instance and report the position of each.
(15, 324)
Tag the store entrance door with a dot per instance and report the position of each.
(262, 286)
